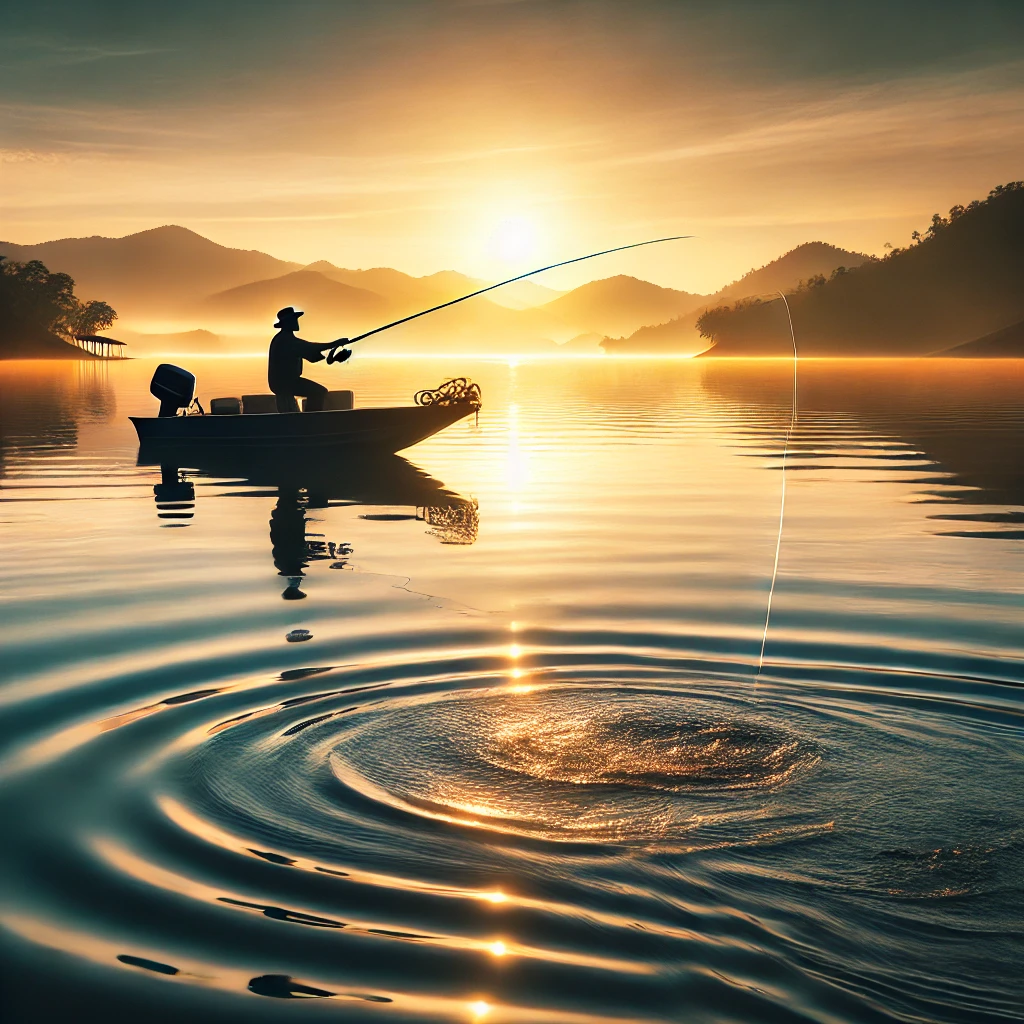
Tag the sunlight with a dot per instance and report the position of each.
(514, 240)
(479, 1009)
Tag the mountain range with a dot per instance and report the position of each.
(959, 281)
(183, 286)
(680, 334)
(152, 274)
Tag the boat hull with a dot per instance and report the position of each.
(380, 430)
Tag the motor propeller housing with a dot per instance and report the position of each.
(174, 387)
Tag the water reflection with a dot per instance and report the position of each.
(41, 404)
(531, 777)
(308, 481)
(893, 413)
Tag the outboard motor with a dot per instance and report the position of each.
(174, 387)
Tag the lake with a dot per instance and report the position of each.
(484, 731)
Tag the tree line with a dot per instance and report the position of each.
(712, 322)
(33, 295)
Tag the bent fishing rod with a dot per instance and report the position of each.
(333, 354)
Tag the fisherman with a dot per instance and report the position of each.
(284, 366)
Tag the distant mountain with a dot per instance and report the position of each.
(404, 293)
(335, 308)
(680, 335)
(960, 280)
(1007, 343)
(676, 337)
(785, 273)
(583, 344)
(410, 294)
(620, 305)
(331, 307)
(152, 273)
(175, 277)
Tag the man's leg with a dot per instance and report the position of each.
(286, 403)
(315, 394)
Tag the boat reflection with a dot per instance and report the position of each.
(303, 482)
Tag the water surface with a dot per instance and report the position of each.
(478, 732)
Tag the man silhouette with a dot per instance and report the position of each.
(284, 366)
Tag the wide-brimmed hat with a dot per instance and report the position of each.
(288, 313)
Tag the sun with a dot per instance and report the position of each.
(514, 239)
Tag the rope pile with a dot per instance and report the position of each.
(458, 391)
(453, 524)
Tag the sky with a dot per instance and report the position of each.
(491, 136)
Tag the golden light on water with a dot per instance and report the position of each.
(498, 948)
(479, 1009)
(516, 463)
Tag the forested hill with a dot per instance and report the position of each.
(799, 264)
(40, 313)
(960, 279)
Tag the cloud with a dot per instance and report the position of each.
(394, 132)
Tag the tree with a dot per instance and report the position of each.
(32, 293)
(90, 317)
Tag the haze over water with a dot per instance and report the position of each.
(525, 768)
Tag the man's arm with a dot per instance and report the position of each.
(312, 351)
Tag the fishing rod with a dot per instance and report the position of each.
(332, 356)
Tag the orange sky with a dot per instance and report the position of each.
(489, 137)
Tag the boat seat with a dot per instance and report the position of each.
(225, 406)
(338, 400)
(259, 403)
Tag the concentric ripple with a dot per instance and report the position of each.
(579, 762)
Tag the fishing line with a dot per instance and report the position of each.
(500, 284)
(782, 503)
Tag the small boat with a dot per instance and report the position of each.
(387, 430)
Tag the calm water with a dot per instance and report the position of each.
(523, 768)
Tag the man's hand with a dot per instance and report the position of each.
(336, 356)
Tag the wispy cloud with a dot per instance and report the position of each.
(22, 51)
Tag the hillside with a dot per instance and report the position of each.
(403, 293)
(410, 294)
(332, 308)
(152, 273)
(1007, 343)
(619, 305)
(20, 339)
(676, 337)
(681, 335)
(961, 280)
(785, 273)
